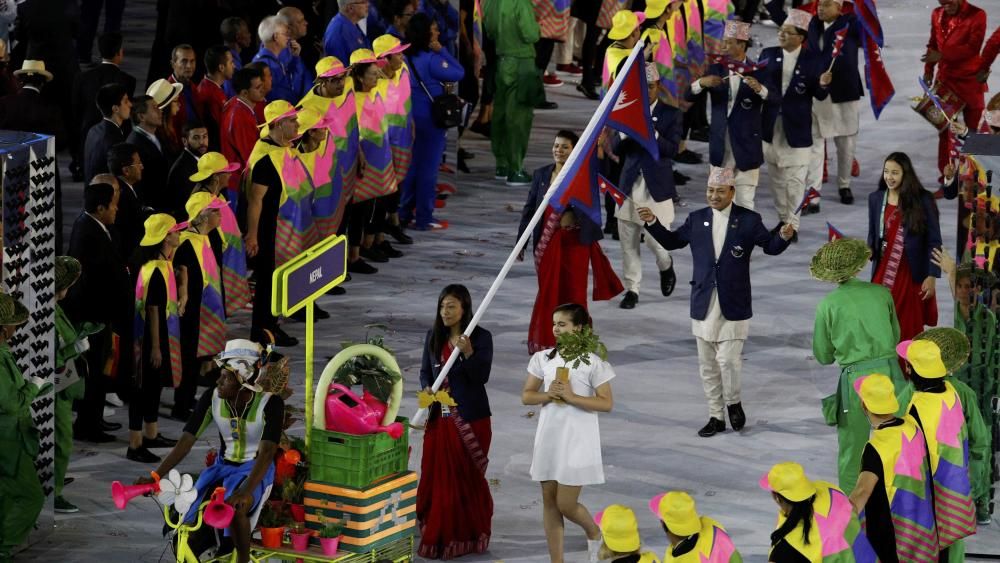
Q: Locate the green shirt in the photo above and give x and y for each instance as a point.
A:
(854, 323)
(512, 25)
(979, 439)
(16, 426)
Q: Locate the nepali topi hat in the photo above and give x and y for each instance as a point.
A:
(736, 30)
(718, 176)
(799, 18)
(840, 260)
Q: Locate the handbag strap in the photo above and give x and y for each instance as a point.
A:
(420, 80)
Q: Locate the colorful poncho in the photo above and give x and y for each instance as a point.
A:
(714, 546)
(663, 58)
(236, 289)
(676, 29)
(212, 319)
(396, 93)
(379, 176)
(295, 230)
(173, 328)
(907, 482)
(716, 14)
(553, 18)
(943, 422)
(329, 198)
(695, 39)
(835, 535)
(613, 58)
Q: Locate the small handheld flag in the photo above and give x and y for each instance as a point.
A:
(606, 187)
(739, 67)
(838, 45)
(811, 194)
(934, 99)
(833, 233)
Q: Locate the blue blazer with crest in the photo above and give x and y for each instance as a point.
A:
(658, 174)
(793, 106)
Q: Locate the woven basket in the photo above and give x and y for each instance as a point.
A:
(953, 343)
(839, 260)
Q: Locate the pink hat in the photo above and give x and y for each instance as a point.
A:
(721, 177)
(737, 30)
(799, 18)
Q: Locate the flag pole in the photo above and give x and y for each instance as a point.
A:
(609, 99)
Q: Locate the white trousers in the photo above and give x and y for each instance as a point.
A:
(788, 185)
(719, 364)
(630, 236)
(746, 187)
(846, 149)
(571, 45)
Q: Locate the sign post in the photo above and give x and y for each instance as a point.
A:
(298, 283)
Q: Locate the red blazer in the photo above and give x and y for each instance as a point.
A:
(990, 50)
(238, 134)
(959, 39)
(211, 98)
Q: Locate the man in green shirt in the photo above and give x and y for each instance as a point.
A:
(856, 327)
(512, 26)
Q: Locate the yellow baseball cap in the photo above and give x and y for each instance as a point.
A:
(789, 480)
(924, 356)
(158, 226)
(328, 67)
(619, 528)
(623, 24)
(201, 201)
(877, 393)
(311, 119)
(275, 112)
(677, 511)
(212, 163)
(386, 45)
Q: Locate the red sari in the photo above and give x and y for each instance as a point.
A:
(454, 503)
(913, 312)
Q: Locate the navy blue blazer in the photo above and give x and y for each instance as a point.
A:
(916, 246)
(793, 106)
(467, 378)
(659, 174)
(589, 232)
(743, 124)
(731, 272)
(846, 85)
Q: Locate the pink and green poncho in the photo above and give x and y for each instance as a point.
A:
(330, 197)
(212, 319)
(714, 546)
(173, 328)
(835, 535)
(396, 95)
(379, 176)
(296, 231)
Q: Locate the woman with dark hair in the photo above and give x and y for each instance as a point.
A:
(903, 230)
(431, 67)
(454, 504)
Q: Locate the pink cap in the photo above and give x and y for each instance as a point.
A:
(721, 177)
(902, 347)
(179, 227)
(737, 30)
(799, 18)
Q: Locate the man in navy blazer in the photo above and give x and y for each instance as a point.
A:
(737, 103)
(722, 238)
(798, 76)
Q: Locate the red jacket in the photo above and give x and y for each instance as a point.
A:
(959, 39)
(238, 134)
(188, 97)
(990, 50)
(211, 98)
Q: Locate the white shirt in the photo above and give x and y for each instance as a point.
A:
(103, 226)
(822, 36)
(715, 327)
(149, 136)
(788, 61)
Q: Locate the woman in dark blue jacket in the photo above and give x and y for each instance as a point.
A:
(454, 505)
(430, 66)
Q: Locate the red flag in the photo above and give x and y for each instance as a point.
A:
(832, 233)
(876, 76)
(578, 187)
(739, 67)
(630, 114)
(810, 195)
(838, 41)
(607, 187)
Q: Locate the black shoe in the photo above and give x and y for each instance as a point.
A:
(396, 232)
(700, 135)
(668, 280)
(588, 91)
(94, 437)
(318, 314)
(359, 266)
(337, 290)
(462, 166)
(846, 197)
(713, 427)
(737, 418)
(283, 340)
(484, 129)
(374, 254)
(142, 455)
(385, 248)
(680, 179)
(687, 157)
(631, 298)
(545, 104)
(159, 442)
(464, 154)
(110, 426)
(68, 480)
(811, 209)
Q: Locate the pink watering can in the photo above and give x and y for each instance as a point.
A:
(350, 414)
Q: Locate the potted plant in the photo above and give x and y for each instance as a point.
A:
(272, 526)
(300, 536)
(329, 536)
(372, 374)
(576, 347)
(292, 493)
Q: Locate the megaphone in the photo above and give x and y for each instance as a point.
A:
(124, 493)
(218, 514)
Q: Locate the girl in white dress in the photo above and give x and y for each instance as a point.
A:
(567, 452)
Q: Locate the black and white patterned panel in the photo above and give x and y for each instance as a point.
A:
(28, 271)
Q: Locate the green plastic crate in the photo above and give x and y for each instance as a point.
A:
(357, 461)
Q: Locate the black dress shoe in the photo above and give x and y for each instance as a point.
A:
(283, 340)
(374, 254)
(387, 249)
(700, 135)
(337, 290)
(462, 166)
(737, 418)
(159, 442)
(713, 427)
(811, 209)
(631, 298)
(359, 266)
(94, 437)
(668, 280)
(846, 197)
(142, 455)
(110, 426)
(687, 157)
(588, 91)
(483, 128)
(466, 155)
(396, 232)
(545, 104)
(318, 314)
(680, 179)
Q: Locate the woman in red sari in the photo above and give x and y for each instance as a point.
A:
(903, 230)
(454, 504)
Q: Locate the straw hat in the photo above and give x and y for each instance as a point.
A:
(201, 201)
(158, 226)
(274, 112)
(954, 346)
(624, 23)
(386, 45)
(241, 357)
(328, 67)
(677, 511)
(619, 528)
(924, 356)
(212, 163)
(789, 480)
(877, 393)
(67, 272)
(839, 260)
(34, 67)
(163, 92)
(12, 313)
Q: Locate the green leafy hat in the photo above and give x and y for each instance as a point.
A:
(839, 260)
(12, 313)
(67, 272)
(953, 343)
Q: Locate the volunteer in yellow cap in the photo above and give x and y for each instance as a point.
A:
(894, 486)
(693, 538)
(625, 33)
(816, 521)
(620, 531)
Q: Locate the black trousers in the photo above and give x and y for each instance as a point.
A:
(359, 216)
(263, 266)
(90, 409)
(144, 404)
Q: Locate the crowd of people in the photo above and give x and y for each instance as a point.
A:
(257, 136)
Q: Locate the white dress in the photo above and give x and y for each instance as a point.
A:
(568, 439)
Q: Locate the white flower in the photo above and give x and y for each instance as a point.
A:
(178, 490)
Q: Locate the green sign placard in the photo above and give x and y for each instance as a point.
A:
(308, 276)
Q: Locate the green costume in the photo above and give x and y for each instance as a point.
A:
(21, 495)
(856, 326)
(512, 25)
(68, 350)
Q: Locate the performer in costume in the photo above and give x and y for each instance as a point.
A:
(567, 451)
(620, 535)
(21, 495)
(656, 33)
(157, 332)
(693, 538)
(902, 231)
(894, 491)
(625, 33)
(249, 423)
(816, 522)
(395, 90)
(565, 247)
(939, 412)
(454, 504)
(856, 327)
(722, 238)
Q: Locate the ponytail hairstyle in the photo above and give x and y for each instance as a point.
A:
(578, 315)
(911, 194)
(801, 512)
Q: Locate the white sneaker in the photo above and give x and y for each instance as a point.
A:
(113, 400)
(594, 548)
